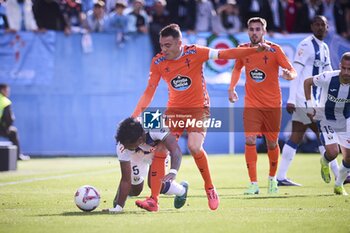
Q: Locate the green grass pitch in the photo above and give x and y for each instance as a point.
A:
(38, 197)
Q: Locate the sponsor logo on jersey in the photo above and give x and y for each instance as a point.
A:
(257, 75)
(318, 63)
(181, 83)
(337, 100)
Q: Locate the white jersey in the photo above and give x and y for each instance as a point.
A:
(334, 105)
(141, 158)
(312, 58)
(152, 139)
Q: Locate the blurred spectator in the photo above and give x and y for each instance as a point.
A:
(183, 13)
(302, 20)
(87, 5)
(20, 15)
(314, 7)
(118, 22)
(159, 19)
(3, 19)
(335, 14)
(48, 15)
(229, 17)
(290, 12)
(346, 5)
(249, 9)
(72, 14)
(110, 5)
(138, 18)
(278, 19)
(258, 8)
(206, 18)
(95, 20)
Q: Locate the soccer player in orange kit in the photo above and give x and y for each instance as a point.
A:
(262, 106)
(181, 67)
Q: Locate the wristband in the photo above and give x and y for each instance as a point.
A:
(174, 171)
(308, 104)
(309, 107)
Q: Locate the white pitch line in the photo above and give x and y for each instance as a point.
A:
(54, 177)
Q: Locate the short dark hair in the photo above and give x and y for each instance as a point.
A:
(257, 20)
(316, 17)
(171, 30)
(129, 131)
(345, 57)
(3, 86)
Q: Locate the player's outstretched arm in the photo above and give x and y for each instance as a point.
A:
(310, 111)
(240, 52)
(144, 101)
(124, 187)
(175, 155)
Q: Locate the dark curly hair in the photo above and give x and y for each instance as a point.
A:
(129, 131)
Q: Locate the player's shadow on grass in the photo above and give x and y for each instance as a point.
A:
(128, 212)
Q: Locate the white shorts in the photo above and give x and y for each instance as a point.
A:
(332, 133)
(140, 163)
(300, 116)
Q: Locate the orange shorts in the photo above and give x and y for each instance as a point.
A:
(180, 119)
(262, 121)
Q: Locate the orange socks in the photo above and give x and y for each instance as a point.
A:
(201, 160)
(273, 158)
(251, 157)
(157, 173)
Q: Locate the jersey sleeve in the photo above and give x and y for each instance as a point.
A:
(283, 60)
(236, 74)
(146, 98)
(328, 64)
(321, 80)
(159, 135)
(122, 153)
(302, 54)
(295, 83)
(204, 53)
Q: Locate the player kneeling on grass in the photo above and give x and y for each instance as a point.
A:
(136, 149)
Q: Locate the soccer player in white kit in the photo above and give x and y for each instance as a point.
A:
(333, 114)
(312, 58)
(135, 151)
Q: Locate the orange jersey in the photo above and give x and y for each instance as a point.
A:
(184, 77)
(262, 88)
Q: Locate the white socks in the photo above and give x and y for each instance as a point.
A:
(343, 173)
(176, 189)
(288, 154)
(334, 164)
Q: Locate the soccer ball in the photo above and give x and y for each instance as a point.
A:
(87, 198)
